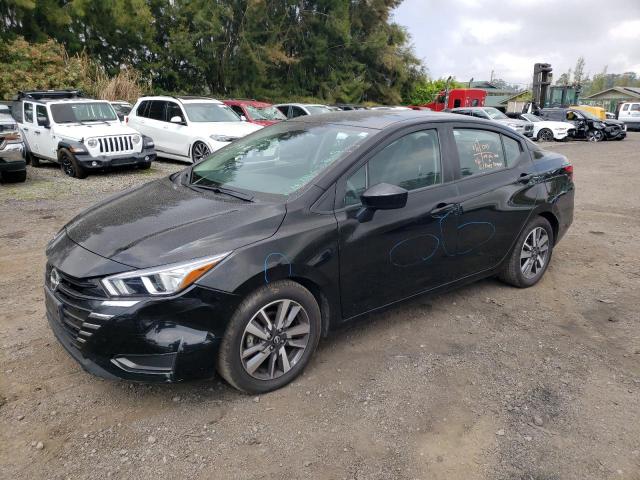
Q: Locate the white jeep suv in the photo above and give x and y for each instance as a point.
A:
(187, 128)
(79, 133)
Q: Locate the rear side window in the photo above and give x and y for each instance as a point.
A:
(480, 151)
(28, 112)
(237, 109)
(635, 107)
(156, 110)
(512, 150)
(297, 112)
(142, 109)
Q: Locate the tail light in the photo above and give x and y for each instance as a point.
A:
(568, 169)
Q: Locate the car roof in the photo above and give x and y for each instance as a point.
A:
(6, 118)
(63, 100)
(182, 99)
(380, 119)
(253, 103)
(300, 105)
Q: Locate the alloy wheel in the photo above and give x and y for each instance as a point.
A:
(200, 151)
(275, 339)
(546, 135)
(534, 253)
(67, 166)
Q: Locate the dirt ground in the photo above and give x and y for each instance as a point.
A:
(487, 382)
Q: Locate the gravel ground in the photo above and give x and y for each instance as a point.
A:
(487, 382)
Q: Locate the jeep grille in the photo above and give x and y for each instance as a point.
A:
(117, 144)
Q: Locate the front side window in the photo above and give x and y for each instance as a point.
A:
(480, 114)
(28, 112)
(237, 109)
(479, 151)
(279, 160)
(41, 115)
(83, 112)
(625, 107)
(296, 112)
(316, 109)
(494, 113)
(210, 112)
(174, 110)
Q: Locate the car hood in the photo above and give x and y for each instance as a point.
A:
(79, 132)
(231, 129)
(165, 222)
(611, 123)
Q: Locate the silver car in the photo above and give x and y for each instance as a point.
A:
(491, 113)
(12, 161)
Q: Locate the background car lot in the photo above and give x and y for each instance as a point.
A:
(487, 382)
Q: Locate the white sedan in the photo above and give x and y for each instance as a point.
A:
(546, 130)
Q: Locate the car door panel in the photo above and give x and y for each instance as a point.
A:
(495, 205)
(28, 126)
(176, 137)
(47, 139)
(398, 253)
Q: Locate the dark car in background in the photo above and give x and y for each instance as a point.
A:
(587, 125)
(242, 262)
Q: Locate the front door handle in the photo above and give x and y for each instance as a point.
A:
(26, 129)
(37, 132)
(443, 208)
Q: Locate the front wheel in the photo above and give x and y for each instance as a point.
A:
(545, 135)
(595, 136)
(270, 338)
(70, 166)
(531, 255)
(199, 151)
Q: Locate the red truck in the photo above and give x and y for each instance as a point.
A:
(458, 97)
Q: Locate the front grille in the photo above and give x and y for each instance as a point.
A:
(77, 287)
(77, 321)
(528, 128)
(117, 144)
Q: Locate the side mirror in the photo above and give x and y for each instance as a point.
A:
(382, 196)
(243, 118)
(44, 122)
(176, 119)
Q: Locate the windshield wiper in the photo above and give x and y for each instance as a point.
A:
(226, 191)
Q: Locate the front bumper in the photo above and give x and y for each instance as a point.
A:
(99, 162)
(152, 340)
(12, 157)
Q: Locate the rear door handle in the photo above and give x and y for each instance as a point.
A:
(26, 129)
(526, 177)
(37, 132)
(443, 208)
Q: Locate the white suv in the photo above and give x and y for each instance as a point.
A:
(187, 128)
(80, 134)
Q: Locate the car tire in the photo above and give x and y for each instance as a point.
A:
(70, 166)
(518, 269)
(545, 135)
(32, 159)
(595, 136)
(199, 151)
(251, 355)
(14, 177)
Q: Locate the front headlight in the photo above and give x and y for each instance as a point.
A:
(599, 125)
(222, 138)
(135, 139)
(165, 280)
(92, 142)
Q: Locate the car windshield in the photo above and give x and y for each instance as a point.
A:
(265, 113)
(210, 112)
(495, 114)
(589, 115)
(315, 109)
(121, 108)
(83, 112)
(278, 160)
(531, 117)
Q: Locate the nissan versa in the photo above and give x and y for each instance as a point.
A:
(243, 261)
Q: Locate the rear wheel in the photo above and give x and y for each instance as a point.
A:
(545, 135)
(14, 177)
(70, 166)
(270, 338)
(531, 255)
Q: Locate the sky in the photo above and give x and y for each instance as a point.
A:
(469, 38)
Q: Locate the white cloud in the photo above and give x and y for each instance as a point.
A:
(487, 31)
(628, 29)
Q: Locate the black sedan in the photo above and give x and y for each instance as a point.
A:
(242, 262)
